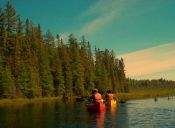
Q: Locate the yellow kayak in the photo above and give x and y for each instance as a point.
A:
(111, 103)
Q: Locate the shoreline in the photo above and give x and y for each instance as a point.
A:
(120, 96)
(142, 95)
(22, 101)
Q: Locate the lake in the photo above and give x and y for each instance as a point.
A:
(144, 113)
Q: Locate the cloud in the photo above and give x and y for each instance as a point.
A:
(103, 13)
(101, 7)
(97, 23)
(151, 63)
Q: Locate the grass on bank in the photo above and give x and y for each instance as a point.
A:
(145, 94)
(21, 101)
(140, 94)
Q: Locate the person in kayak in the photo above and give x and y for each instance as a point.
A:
(96, 96)
(109, 96)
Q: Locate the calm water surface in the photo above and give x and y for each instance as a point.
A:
(133, 114)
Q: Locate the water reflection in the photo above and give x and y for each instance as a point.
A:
(122, 116)
(133, 114)
(100, 119)
(113, 112)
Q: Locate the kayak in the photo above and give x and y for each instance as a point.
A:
(111, 103)
(98, 107)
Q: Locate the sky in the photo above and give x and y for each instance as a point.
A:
(140, 31)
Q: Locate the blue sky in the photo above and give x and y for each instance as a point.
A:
(125, 26)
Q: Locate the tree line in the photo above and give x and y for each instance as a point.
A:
(146, 85)
(33, 64)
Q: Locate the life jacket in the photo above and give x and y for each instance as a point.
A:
(97, 97)
(109, 96)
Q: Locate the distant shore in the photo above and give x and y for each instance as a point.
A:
(143, 95)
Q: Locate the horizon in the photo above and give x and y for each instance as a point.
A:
(142, 32)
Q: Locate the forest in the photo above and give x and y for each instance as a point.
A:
(36, 64)
(33, 64)
(154, 84)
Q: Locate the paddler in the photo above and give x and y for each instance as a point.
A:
(109, 96)
(96, 96)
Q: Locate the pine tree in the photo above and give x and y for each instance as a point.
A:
(3, 35)
(49, 38)
(2, 27)
(57, 73)
(30, 59)
(121, 74)
(27, 27)
(1, 76)
(46, 80)
(66, 67)
(11, 23)
(88, 65)
(98, 69)
(11, 18)
(113, 72)
(7, 83)
(76, 66)
(16, 67)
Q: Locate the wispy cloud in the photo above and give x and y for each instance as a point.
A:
(103, 13)
(97, 23)
(102, 7)
(151, 63)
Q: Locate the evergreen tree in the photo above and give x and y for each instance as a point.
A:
(30, 59)
(113, 72)
(88, 65)
(6, 83)
(121, 74)
(46, 80)
(98, 68)
(11, 23)
(77, 68)
(29, 81)
(67, 73)
(3, 35)
(17, 56)
(91, 69)
(27, 27)
(11, 18)
(49, 38)
(57, 73)
(102, 69)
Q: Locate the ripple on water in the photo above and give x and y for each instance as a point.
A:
(133, 114)
(148, 114)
